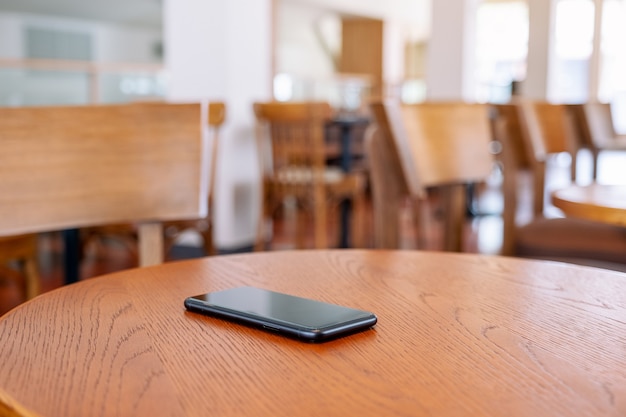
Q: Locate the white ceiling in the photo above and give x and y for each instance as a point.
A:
(127, 12)
(148, 12)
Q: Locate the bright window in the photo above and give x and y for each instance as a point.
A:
(612, 86)
(569, 82)
(501, 49)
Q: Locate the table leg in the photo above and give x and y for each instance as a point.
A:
(71, 255)
(346, 205)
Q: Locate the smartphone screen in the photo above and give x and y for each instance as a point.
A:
(289, 315)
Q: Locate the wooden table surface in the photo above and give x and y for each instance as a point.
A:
(458, 335)
(597, 202)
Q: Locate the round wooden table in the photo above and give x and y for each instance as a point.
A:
(597, 202)
(458, 334)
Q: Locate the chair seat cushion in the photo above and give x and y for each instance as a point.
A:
(567, 238)
(304, 175)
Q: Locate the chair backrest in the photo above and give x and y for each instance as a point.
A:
(69, 167)
(549, 128)
(439, 144)
(296, 137)
(597, 118)
(508, 114)
(546, 129)
(387, 187)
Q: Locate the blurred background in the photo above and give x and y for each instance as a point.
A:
(86, 51)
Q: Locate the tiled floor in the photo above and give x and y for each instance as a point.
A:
(484, 234)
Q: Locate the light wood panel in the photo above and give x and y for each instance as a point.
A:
(73, 166)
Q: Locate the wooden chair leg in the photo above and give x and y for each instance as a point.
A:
(33, 279)
(207, 236)
(420, 211)
(357, 226)
(151, 245)
(319, 218)
(301, 221)
(454, 202)
(594, 161)
(264, 214)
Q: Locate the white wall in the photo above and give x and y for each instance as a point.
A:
(540, 49)
(222, 50)
(298, 51)
(450, 61)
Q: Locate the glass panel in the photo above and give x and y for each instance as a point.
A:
(125, 87)
(19, 87)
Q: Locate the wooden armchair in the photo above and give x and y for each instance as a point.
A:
(290, 142)
(72, 167)
(596, 130)
(546, 129)
(421, 149)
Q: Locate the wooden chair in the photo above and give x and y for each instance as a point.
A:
(596, 130)
(424, 148)
(546, 129)
(127, 233)
(72, 167)
(290, 142)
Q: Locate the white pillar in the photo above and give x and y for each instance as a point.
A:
(451, 50)
(222, 50)
(541, 40)
(596, 54)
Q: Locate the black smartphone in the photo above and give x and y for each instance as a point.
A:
(298, 317)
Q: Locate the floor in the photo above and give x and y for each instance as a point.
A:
(483, 234)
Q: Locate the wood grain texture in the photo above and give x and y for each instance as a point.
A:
(458, 334)
(597, 202)
(68, 167)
